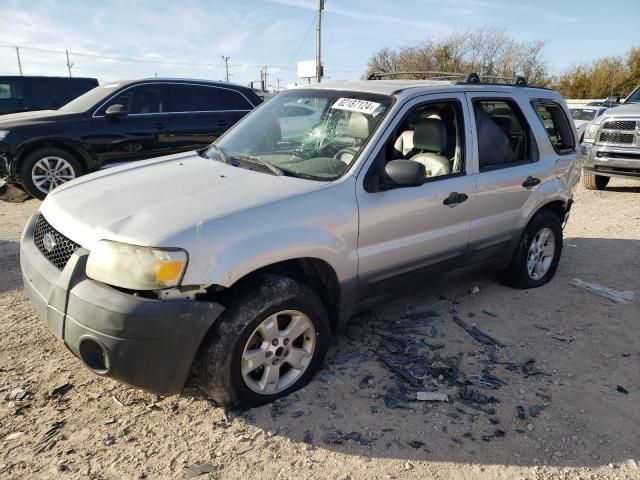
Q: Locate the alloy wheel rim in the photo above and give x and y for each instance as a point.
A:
(541, 253)
(51, 172)
(278, 352)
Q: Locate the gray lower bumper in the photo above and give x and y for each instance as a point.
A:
(146, 343)
(611, 161)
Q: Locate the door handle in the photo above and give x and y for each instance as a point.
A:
(455, 198)
(530, 182)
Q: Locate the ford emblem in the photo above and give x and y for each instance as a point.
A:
(48, 242)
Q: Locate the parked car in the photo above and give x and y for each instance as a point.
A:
(114, 123)
(582, 117)
(25, 94)
(611, 145)
(609, 102)
(241, 259)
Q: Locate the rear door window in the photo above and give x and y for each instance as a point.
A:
(556, 125)
(200, 98)
(504, 136)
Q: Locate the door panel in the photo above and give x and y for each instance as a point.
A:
(501, 197)
(143, 133)
(407, 235)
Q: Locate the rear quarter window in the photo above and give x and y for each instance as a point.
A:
(556, 124)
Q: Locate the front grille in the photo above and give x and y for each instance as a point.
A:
(616, 137)
(62, 249)
(620, 125)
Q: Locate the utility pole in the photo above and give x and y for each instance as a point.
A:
(278, 80)
(318, 42)
(226, 67)
(264, 88)
(69, 64)
(19, 62)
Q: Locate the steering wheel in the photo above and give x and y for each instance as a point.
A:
(348, 151)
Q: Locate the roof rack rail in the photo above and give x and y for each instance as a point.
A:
(459, 78)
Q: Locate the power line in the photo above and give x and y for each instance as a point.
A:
(313, 21)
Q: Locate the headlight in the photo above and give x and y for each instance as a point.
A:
(3, 133)
(136, 268)
(590, 133)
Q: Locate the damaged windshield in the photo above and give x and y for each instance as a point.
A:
(313, 134)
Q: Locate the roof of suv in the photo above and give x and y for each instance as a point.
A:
(214, 83)
(391, 87)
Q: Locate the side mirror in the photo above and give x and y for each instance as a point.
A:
(116, 111)
(404, 173)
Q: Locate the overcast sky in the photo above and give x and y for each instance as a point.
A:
(187, 38)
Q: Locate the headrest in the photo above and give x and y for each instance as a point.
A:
(430, 135)
(357, 126)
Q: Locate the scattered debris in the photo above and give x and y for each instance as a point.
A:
(420, 315)
(476, 333)
(366, 381)
(336, 437)
(496, 434)
(563, 338)
(534, 410)
(471, 395)
(272, 433)
(395, 398)
(197, 469)
(416, 444)
(14, 436)
(522, 415)
(432, 397)
(12, 193)
(16, 394)
(307, 437)
(491, 314)
(617, 296)
(60, 391)
(475, 289)
(49, 438)
(621, 389)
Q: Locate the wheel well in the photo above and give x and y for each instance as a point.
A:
(315, 273)
(558, 207)
(55, 144)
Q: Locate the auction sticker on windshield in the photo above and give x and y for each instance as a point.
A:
(355, 105)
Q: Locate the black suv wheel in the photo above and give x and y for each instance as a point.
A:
(47, 168)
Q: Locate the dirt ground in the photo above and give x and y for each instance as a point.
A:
(357, 418)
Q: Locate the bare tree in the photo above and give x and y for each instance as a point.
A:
(486, 50)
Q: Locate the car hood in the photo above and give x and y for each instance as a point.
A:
(161, 202)
(632, 109)
(579, 123)
(30, 118)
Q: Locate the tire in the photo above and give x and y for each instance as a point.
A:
(591, 181)
(220, 361)
(70, 168)
(518, 274)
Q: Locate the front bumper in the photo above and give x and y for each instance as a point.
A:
(145, 343)
(611, 161)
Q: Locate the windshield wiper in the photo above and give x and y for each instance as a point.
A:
(258, 161)
(219, 151)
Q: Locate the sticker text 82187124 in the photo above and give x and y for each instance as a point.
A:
(355, 105)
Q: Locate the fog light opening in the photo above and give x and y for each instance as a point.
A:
(94, 356)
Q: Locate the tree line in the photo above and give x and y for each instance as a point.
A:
(493, 52)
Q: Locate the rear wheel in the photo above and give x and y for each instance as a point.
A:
(536, 259)
(268, 343)
(591, 181)
(47, 168)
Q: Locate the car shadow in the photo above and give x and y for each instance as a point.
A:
(549, 396)
(621, 189)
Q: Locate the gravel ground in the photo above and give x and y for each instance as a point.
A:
(357, 419)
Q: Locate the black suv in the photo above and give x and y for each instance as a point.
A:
(25, 94)
(116, 122)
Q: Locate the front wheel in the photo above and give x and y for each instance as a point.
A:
(269, 342)
(536, 259)
(591, 181)
(47, 168)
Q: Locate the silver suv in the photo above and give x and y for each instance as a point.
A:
(242, 259)
(611, 144)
